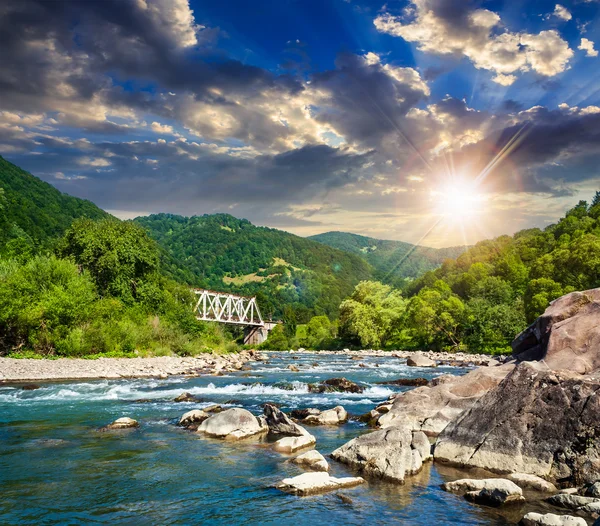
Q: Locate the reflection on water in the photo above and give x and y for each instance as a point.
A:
(56, 468)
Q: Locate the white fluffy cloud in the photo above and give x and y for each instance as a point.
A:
(477, 34)
(560, 11)
(588, 46)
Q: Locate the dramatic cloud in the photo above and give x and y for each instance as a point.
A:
(446, 27)
(588, 46)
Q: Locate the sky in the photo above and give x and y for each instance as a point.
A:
(440, 122)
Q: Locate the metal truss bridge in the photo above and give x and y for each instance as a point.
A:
(227, 308)
(237, 310)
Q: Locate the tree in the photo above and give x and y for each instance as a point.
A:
(371, 314)
(120, 256)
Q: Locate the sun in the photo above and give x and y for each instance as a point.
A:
(457, 201)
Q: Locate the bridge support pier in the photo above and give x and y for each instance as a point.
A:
(255, 335)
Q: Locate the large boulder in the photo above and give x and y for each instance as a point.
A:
(525, 480)
(431, 408)
(280, 424)
(312, 483)
(390, 454)
(566, 336)
(536, 421)
(232, 424)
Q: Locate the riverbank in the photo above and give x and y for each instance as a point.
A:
(13, 370)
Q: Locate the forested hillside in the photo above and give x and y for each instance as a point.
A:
(482, 299)
(393, 261)
(224, 253)
(37, 208)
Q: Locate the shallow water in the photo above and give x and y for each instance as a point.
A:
(56, 468)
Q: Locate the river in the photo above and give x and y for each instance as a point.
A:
(56, 468)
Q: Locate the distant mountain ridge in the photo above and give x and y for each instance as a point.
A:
(393, 261)
(37, 208)
(222, 252)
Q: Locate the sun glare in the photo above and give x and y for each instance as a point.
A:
(457, 201)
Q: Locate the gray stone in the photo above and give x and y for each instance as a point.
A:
(388, 454)
(536, 421)
(571, 502)
(335, 416)
(280, 424)
(524, 480)
(312, 460)
(550, 519)
(232, 424)
(419, 360)
(123, 423)
(196, 416)
(313, 483)
(293, 444)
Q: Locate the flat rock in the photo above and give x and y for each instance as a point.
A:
(293, 444)
(525, 480)
(462, 486)
(493, 497)
(536, 421)
(123, 423)
(232, 424)
(571, 502)
(419, 360)
(312, 460)
(550, 519)
(389, 454)
(313, 483)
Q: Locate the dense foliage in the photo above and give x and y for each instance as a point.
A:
(104, 295)
(37, 208)
(393, 261)
(221, 252)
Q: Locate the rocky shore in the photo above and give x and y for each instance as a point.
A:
(28, 370)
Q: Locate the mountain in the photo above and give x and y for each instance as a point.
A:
(392, 260)
(36, 207)
(222, 252)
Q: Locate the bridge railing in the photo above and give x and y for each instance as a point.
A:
(227, 308)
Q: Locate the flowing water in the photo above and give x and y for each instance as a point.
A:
(56, 468)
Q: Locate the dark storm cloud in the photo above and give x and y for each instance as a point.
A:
(367, 102)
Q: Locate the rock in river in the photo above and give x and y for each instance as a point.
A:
(312, 460)
(536, 421)
(193, 418)
(293, 444)
(391, 454)
(431, 408)
(420, 360)
(332, 385)
(122, 423)
(489, 492)
(280, 424)
(232, 424)
(312, 483)
(550, 519)
(335, 416)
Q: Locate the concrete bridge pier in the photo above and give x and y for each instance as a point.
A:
(257, 334)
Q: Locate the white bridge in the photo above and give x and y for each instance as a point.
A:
(236, 310)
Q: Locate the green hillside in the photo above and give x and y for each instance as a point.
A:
(224, 253)
(37, 208)
(393, 260)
